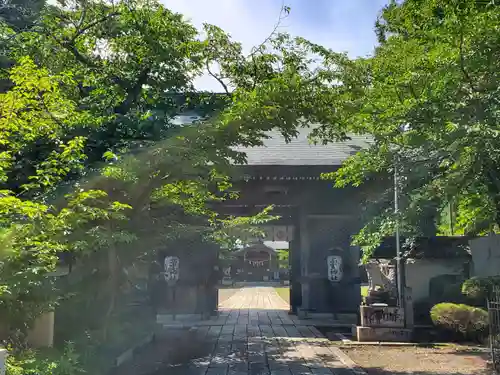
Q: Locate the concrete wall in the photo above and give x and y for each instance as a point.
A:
(485, 253)
(3, 360)
(42, 334)
(419, 273)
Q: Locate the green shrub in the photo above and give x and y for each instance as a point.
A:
(467, 321)
(49, 362)
(480, 288)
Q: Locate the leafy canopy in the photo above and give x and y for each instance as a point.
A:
(89, 109)
(429, 99)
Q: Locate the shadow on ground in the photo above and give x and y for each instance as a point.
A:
(194, 352)
(383, 371)
(193, 355)
(250, 341)
(421, 360)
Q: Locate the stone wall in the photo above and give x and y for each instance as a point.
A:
(485, 253)
(420, 272)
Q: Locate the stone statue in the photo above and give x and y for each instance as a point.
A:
(381, 275)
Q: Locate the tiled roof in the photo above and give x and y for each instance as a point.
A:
(301, 152)
(256, 247)
(298, 152)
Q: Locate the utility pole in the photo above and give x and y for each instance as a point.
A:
(452, 218)
(399, 263)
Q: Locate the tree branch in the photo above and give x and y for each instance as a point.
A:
(462, 62)
(82, 17)
(133, 92)
(66, 44)
(255, 72)
(284, 12)
(224, 86)
(398, 94)
(92, 24)
(51, 115)
(71, 48)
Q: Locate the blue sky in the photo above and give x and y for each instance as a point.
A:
(343, 25)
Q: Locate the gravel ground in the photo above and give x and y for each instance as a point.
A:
(446, 360)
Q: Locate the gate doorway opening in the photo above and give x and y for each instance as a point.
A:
(324, 268)
(256, 274)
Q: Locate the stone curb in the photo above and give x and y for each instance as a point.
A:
(130, 353)
(396, 344)
(348, 342)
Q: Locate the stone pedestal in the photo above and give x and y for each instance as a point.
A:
(191, 302)
(365, 334)
(193, 292)
(384, 323)
(332, 266)
(387, 317)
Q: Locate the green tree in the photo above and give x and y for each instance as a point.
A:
(35, 232)
(429, 99)
(15, 16)
(120, 73)
(284, 258)
(20, 14)
(131, 59)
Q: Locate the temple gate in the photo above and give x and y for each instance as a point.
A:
(324, 277)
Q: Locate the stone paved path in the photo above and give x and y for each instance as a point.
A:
(253, 335)
(258, 297)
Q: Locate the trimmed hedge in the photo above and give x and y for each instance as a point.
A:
(480, 288)
(471, 323)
